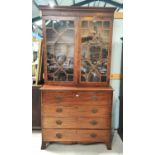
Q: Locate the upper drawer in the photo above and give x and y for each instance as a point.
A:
(80, 97)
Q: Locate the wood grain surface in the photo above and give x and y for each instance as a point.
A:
(76, 135)
(77, 123)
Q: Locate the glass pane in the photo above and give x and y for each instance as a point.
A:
(66, 37)
(84, 24)
(59, 25)
(50, 35)
(106, 24)
(94, 51)
(94, 77)
(98, 23)
(60, 50)
(106, 35)
(84, 53)
(49, 24)
(70, 24)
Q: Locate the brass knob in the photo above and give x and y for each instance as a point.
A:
(58, 98)
(58, 122)
(59, 135)
(77, 95)
(59, 110)
(93, 122)
(93, 135)
(94, 98)
(94, 110)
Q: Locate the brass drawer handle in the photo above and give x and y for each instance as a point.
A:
(94, 111)
(58, 122)
(58, 98)
(93, 135)
(94, 98)
(93, 122)
(59, 135)
(59, 110)
(77, 95)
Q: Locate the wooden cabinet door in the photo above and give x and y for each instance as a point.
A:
(60, 50)
(95, 49)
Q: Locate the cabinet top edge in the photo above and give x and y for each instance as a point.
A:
(75, 8)
(48, 87)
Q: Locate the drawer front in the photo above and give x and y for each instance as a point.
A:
(93, 98)
(57, 97)
(59, 135)
(94, 135)
(75, 111)
(78, 97)
(89, 136)
(77, 123)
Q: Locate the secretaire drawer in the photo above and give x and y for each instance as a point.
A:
(76, 97)
(93, 97)
(75, 111)
(57, 97)
(77, 123)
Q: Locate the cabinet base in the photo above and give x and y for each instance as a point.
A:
(45, 144)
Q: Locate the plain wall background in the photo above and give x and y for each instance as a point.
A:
(116, 68)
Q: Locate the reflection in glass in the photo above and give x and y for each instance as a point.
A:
(106, 24)
(103, 78)
(70, 77)
(104, 53)
(84, 52)
(93, 77)
(61, 59)
(60, 76)
(70, 24)
(85, 68)
(98, 24)
(59, 25)
(60, 50)
(94, 54)
(49, 23)
(67, 37)
(84, 24)
(94, 50)
(50, 35)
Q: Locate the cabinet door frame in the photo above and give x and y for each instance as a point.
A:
(110, 19)
(74, 82)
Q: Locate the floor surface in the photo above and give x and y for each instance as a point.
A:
(76, 149)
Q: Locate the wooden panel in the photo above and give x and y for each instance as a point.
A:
(75, 111)
(74, 88)
(76, 11)
(76, 135)
(76, 97)
(59, 135)
(94, 135)
(92, 97)
(36, 107)
(57, 97)
(77, 123)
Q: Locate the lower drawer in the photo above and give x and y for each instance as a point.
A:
(88, 136)
(77, 123)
